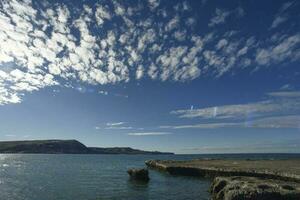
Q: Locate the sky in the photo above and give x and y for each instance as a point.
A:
(181, 76)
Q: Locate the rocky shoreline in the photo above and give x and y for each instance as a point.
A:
(240, 179)
(250, 188)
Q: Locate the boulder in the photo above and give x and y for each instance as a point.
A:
(139, 174)
(253, 188)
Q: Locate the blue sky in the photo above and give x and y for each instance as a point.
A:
(182, 76)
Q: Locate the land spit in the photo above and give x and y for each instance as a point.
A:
(241, 179)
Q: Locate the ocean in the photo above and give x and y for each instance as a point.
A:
(100, 177)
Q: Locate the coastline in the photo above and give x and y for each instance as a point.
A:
(240, 179)
(54, 146)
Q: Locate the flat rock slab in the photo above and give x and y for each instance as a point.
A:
(253, 188)
(288, 170)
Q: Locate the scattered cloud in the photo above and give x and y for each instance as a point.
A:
(278, 20)
(119, 127)
(280, 110)
(56, 45)
(281, 16)
(10, 135)
(153, 4)
(279, 103)
(286, 87)
(149, 133)
(287, 146)
(240, 11)
(286, 48)
(289, 94)
(219, 17)
(291, 121)
(103, 92)
(115, 123)
(285, 6)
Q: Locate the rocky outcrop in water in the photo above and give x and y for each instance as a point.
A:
(139, 174)
(253, 188)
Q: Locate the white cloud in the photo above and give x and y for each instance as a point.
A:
(278, 20)
(152, 72)
(289, 94)
(282, 15)
(153, 4)
(287, 146)
(285, 6)
(139, 72)
(115, 123)
(280, 110)
(119, 127)
(172, 24)
(240, 11)
(219, 17)
(222, 43)
(180, 35)
(149, 133)
(190, 21)
(115, 126)
(119, 9)
(289, 121)
(286, 48)
(282, 103)
(103, 92)
(286, 87)
(52, 44)
(101, 14)
(10, 135)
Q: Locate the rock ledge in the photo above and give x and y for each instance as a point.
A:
(250, 188)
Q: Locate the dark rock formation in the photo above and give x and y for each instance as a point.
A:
(139, 174)
(64, 147)
(252, 188)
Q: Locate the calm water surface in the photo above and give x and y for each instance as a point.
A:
(97, 177)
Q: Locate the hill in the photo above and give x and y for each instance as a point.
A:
(64, 147)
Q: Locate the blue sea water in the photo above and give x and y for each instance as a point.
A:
(100, 177)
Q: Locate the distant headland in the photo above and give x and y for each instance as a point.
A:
(65, 147)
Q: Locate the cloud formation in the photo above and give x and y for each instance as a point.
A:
(278, 103)
(286, 146)
(291, 121)
(282, 15)
(115, 123)
(280, 110)
(117, 126)
(148, 133)
(45, 44)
